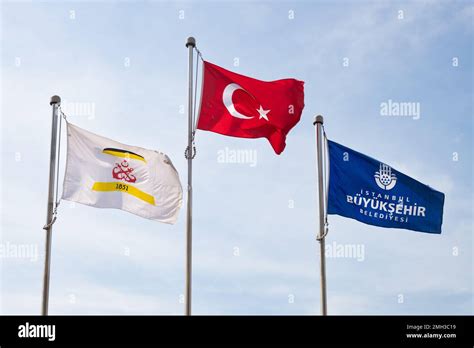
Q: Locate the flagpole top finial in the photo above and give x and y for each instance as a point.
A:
(318, 119)
(191, 42)
(55, 99)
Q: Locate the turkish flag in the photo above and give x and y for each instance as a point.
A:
(240, 106)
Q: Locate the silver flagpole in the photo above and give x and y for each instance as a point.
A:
(318, 122)
(190, 44)
(55, 103)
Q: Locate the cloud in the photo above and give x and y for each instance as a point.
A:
(111, 262)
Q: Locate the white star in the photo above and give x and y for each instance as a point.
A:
(263, 113)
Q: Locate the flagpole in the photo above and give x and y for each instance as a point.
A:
(55, 103)
(190, 44)
(318, 122)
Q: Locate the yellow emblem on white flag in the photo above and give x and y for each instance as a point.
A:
(103, 173)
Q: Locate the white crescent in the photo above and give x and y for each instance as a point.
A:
(227, 100)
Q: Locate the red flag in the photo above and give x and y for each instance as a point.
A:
(240, 106)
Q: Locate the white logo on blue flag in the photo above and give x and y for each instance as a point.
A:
(387, 198)
(384, 178)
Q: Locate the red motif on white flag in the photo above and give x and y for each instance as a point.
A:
(123, 171)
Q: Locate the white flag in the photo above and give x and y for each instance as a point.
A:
(106, 174)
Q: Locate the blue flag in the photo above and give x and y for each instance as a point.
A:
(370, 191)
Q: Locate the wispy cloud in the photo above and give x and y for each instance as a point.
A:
(254, 227)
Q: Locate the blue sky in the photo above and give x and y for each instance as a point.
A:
(254, 226)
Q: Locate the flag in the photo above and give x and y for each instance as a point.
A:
(104, 173)
(240, 106)
(372, 192)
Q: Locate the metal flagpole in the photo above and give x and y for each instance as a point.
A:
(55, 103)
(190, 44)
(318, 122)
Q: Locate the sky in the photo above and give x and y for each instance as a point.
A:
(121, 71)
